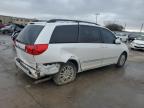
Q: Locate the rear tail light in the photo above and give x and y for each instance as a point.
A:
(36, 49)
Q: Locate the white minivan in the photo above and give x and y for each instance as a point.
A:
(62, 48)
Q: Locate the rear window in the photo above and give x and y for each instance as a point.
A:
(29, 34)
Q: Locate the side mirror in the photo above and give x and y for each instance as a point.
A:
(118, 41)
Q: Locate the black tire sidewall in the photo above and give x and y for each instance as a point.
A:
(118, 63)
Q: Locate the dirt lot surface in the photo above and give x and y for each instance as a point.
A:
(106, 87)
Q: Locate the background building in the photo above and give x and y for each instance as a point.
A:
(17, 20)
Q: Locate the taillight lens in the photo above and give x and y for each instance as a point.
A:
(36, 49)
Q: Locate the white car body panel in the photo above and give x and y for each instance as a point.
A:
(111, 53)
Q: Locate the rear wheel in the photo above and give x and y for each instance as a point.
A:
(122, 60)
(66, 74)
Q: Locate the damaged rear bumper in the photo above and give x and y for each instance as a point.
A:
(40, 70)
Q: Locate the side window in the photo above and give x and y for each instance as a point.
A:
(65, 34)
(108, 37)
(89, 34)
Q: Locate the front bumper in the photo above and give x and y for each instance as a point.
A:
(40, 71)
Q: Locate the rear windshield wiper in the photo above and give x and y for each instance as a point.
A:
(20, 41)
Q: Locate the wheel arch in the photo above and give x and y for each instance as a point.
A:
(126, 53)
(76, 63)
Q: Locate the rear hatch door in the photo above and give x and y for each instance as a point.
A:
(28, 36)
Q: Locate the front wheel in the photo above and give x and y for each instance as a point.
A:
(122, 59)
(66, 74)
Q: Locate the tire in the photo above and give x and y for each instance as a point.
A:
(5, 32)
(66, 74)
(122, 59)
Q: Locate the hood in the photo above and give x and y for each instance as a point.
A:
(139, 41)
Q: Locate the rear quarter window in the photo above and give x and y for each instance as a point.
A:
(29, 34)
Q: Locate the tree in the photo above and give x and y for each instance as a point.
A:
(115, 27)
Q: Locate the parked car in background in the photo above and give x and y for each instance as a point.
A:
(132, 36)
(9, 29)
(16, 32)
(1, 26)
(123, 37)
(138, 43)
(62, 48)
(18, 27)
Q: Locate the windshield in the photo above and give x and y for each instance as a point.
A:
(29, 34)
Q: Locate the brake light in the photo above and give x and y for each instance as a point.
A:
(36, 49)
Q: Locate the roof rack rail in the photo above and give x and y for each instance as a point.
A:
(39, 21)
(78, 21)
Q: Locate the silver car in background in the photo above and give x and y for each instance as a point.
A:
(138, 43)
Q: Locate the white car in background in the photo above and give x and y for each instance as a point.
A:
(123, 37)
(138, 43)
(62, 48)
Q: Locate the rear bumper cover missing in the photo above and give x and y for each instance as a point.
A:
(40, 71)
